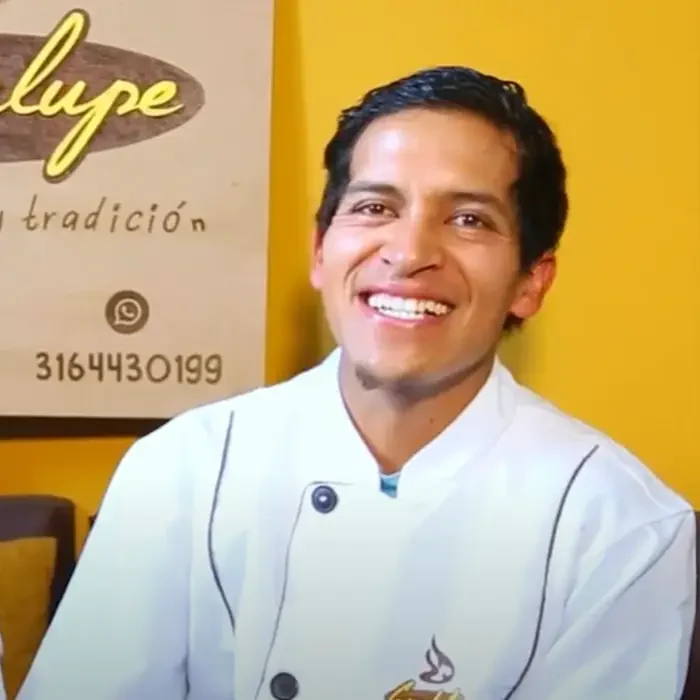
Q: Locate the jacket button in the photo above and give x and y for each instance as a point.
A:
(284, 686)
(324, 499)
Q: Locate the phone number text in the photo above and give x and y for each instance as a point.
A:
(128, 367)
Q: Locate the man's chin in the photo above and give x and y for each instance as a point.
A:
(410, 381)
(395, 378)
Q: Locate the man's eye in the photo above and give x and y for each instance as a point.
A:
(470, 221)
(371, 208)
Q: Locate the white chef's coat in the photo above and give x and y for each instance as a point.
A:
(523, 550)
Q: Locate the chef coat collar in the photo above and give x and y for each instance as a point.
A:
(340, 453)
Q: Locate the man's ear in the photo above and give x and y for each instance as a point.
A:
(533, 287)
(316, 259)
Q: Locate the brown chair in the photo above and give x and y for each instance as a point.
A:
(37, 559)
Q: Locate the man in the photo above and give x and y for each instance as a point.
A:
(404, 520)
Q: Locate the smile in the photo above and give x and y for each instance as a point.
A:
(407, 308)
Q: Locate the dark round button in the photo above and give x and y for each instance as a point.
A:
(284, 686)
(324, 499)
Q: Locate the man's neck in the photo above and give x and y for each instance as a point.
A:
(395, 430)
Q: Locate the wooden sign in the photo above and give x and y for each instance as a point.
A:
(134, 147)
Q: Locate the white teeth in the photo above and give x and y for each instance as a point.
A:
(406, 308)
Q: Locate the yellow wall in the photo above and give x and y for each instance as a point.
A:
(619, 342)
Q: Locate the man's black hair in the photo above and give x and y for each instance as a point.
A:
(540, 188)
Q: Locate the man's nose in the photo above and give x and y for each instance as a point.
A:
(412, 244)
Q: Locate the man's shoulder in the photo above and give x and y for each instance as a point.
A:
(613, 482)
(202, 429)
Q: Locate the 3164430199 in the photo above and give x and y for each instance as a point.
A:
(194, 368)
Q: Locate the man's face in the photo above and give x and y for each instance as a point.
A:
(420, 266)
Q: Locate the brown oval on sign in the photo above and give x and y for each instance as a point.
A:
(62, 97)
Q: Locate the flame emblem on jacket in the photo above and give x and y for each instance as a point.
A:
(440, 670)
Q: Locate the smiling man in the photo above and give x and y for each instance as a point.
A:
(403, 521)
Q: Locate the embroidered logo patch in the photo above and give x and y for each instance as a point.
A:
(440, 670)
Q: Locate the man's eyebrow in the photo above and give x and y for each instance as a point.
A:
(368, 186)
(473, 196)
(480, 198)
